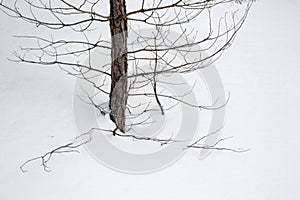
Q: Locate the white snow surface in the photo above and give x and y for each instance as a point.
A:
(261, 70)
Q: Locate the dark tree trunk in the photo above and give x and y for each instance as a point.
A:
(118, 93)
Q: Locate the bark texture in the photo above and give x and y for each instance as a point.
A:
(118, 93)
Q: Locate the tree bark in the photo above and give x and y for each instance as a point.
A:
(119, 65)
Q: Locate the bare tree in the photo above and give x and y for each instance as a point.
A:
(127, 78)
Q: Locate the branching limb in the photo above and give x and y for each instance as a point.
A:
(71, 147)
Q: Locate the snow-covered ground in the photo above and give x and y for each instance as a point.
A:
(261, 70)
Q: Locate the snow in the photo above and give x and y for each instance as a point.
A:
(261, 70)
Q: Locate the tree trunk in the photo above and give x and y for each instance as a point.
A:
(118, 93)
